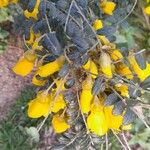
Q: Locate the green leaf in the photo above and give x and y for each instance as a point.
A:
(4, 15)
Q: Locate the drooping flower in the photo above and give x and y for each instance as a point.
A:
(44, 104)
(86, 95)
(91, 66)
(59, 123)
(141, 74)
(51, 67)
(58, 104)
(105, 63)
(39, 106)
(147, 10)
(123, 89)
(123, 70)
(25, 64)
(97, 24)
(103, 39)
(116, 55)
(114, 121)
(108, 7)
(96, 121)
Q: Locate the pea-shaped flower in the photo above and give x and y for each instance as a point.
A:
(40, 106)
(50, 68)
(97, 24)
(91, 66)
(114, 121)
(86, 95)
(96, 121)
(108, 7)
(25, 64)
(59, 123)
(105, 63)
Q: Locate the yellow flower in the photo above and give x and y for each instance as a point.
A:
(86, 95)
(116, 55)
(103, 39)
(91, 66)
(4, 3)
(97, 24)
(59, 124)
(147, 10)
(39, 106)
(59, 85)
(23, 67)
(50, 68)
(108, 7)
(34, 13)
(58, 104)
(123, 89)
(38, 82)
(123, 70)
(36, 46)
(114, 122)
(44, 104)
(105, 63)
(96, 121)
(25, 64)
(141, 74)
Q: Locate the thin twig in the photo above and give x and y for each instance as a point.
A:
(52, 104)
(25, 42)
(146, 18)
(49, 28)
(123, 100)
(128, 13)
(125, 140)
(132, 84)
(51, 86)
(88, 23)
(67, 19)
(133, 54)
(119, 140)
(65, 54)
(141, 118)
(106, 139)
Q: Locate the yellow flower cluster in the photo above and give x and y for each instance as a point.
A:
(112, 61)
(100, 118)
(46, 103)
(105, 62)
